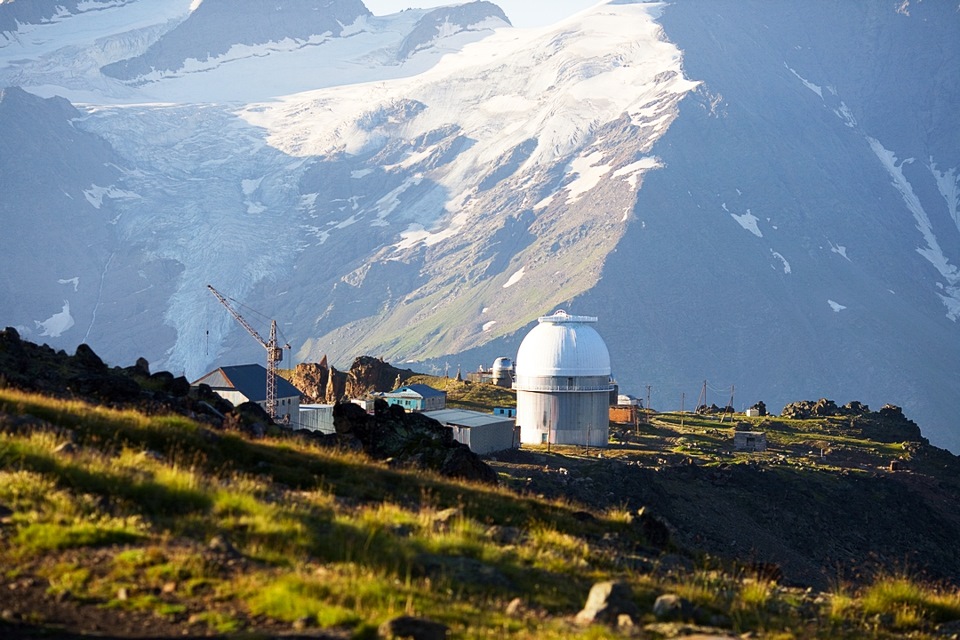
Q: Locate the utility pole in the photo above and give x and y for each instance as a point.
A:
(730, 404)
(646, 407)
(682, 397)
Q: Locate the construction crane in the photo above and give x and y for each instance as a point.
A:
(274, 351)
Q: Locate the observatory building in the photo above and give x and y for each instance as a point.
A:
(563, 383)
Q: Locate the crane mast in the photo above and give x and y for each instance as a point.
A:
(274, 351)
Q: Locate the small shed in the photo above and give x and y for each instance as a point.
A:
(417, 397)
(482, 432)
(749, 441)
(623, 414)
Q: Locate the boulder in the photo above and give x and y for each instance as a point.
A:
(411, 628)
(411, 440)
(606, 602)
(671, 607)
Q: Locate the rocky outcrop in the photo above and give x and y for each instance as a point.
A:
(409, 440)
(323, 383)
(368, 374)
(886, 425)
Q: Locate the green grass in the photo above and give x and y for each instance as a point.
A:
(909, 602)
(332, 539)
(296, 597)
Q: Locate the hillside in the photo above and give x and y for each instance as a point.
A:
(774, 184)
(124, 518)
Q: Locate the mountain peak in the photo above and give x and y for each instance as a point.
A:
(444, 21)
(214, 27)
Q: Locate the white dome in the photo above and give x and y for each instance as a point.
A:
(502, 364)
(563, 345)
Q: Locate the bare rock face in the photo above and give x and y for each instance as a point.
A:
(368, 374)
(312, 378)
(321, 382)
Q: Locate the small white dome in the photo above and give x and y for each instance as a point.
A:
(563, 345)
(502, 364)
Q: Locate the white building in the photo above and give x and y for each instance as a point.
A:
(248, 383)
(563, 383)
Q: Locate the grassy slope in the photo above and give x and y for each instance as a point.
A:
(188, 530)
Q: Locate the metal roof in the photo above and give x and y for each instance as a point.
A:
(248, 379)
(419, 390)
(466, 418)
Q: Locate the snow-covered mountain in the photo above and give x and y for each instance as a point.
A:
(757, 194)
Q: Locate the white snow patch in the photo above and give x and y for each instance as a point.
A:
(388, 203)
(747, 220)
(844, 113)
(786, 265)
(543, 204)
(250, 186)
(360, 173)
(589, 172)
(95, 195)
(809, 85)
(948, 183)
(489, 325)
(639, 167)
(74, 281)
(485, 309)
(836, 306)
(58, 323)
(515, 278)
(932, 252)
(840, 250)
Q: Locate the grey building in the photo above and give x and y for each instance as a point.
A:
(482, 432)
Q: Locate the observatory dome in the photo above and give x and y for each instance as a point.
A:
(563, 345)
(502, 364)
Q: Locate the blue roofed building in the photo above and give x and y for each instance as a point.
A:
(417, 397)
(248, 383)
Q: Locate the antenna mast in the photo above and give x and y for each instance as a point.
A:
(274, 351)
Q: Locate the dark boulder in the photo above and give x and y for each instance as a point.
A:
(410, 439)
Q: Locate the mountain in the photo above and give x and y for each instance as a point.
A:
(759, 201)
(217, 27)
(66, 217)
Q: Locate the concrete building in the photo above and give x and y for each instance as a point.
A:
(563, 383)
(755, 441)
(417, 397)
(248, 383)
(483, 432)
